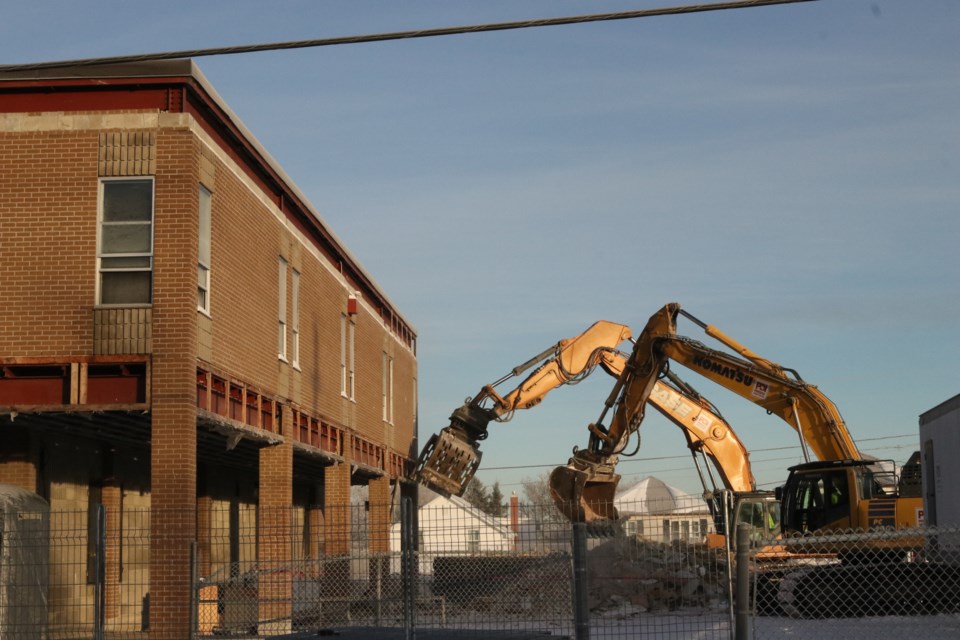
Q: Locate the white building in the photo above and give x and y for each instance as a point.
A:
(452, 526)
(654, 510)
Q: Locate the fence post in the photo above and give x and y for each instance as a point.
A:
(581, 604)
(194, 590)
(408, 559)
(743, 582)
(100, 573)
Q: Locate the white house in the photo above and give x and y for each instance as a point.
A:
(654, 510)
(452, 526)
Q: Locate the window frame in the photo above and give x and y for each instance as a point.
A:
(347, 357)
(295, 318)
(282, 309)
(101, 224)
(387, 387)
(205, 216)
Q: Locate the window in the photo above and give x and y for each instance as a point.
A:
(816, 500)
(387, 388)
(282, 310)
(203, 252)
(125, 241)
(295, 319)
(473, 540)
(347, 331)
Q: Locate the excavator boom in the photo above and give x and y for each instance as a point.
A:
(584, 488)
(450, 459)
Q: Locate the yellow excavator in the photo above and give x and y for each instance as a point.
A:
(841, 490)
(824, 503)
(451, 458)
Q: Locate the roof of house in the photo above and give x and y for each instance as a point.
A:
(461, 504)
(654, 496)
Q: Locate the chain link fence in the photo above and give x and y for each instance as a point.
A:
(880, 584)
(449, 568)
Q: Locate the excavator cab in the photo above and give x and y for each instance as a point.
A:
(823, 496)
(762, 513)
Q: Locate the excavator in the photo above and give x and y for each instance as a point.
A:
(840, 492)
(450, 458)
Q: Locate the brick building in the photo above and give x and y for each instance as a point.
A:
(180, 332)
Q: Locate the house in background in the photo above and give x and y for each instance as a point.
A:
(186, 343)
(656, 511)
(453, 527)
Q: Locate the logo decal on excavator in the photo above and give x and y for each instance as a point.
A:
(733, 373)
(760, 390)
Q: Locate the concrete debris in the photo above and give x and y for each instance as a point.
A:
(633, 575)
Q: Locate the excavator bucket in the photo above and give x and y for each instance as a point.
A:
(582, 496)
(447, 463)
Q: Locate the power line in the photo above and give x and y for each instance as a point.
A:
(687, 469)
(404, 35)
(683, 457)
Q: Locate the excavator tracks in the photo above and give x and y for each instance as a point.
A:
(878, 589)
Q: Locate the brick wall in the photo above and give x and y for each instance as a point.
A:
(173, 439)
(248, 236)
(48, 231)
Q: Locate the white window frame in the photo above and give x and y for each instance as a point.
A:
(282, 310)
(205, 205)
(347, 357)
(387, 388)
(100, 255)
(295, 319)
(473, 540)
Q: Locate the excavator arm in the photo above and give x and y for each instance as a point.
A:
(585, 487)
(706, 431)
(450, 459)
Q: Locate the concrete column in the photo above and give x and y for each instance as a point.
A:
(336, 509)
(275, 532)
(378, 520)
(173, 379)
(378, 531)
(110, 497)
(315, 527)
(204, 535)
(173, 518)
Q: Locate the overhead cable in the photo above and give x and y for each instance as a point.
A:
(403, 35)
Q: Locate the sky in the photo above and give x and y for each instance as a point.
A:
(788, 174)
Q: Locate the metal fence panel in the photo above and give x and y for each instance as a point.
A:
(880, 584)
(659, 573)
(655, 575)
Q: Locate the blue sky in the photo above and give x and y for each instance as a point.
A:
(789, 174)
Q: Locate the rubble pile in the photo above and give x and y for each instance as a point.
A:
(520, 585)
(640, 576)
